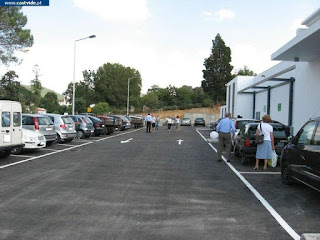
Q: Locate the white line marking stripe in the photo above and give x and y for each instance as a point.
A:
(15, 155)
(201, 135)
(264, 202)
(58, 151)
(47, 154)
(262, 173)
(118, 135)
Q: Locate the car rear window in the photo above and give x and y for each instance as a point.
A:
(241, 123)
(67, 120)
(87, 119)
(44, 121)
(279, 132)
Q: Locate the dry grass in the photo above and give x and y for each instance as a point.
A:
(163, 114)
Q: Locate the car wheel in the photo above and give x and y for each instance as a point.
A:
(286, 174)
(6, 153)
(243, 158)
(80, 134)
(50, 143)
(236, 151)
(58, 138)
(16, 150)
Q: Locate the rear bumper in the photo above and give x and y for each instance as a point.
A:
(68, 135)
(51, 137)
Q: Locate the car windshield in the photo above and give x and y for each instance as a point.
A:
(185, 119)
(199, 119)
(44, 121)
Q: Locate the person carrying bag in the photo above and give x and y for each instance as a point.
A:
(259, 138)
(264, 148)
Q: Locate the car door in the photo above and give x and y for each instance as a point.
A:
(6, 120)
(298, 153)
(313, 159)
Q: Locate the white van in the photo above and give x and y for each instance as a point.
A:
(10, 128)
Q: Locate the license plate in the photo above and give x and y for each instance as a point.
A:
(48, 129)
(92, 131)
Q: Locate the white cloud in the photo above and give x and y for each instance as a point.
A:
(220, 15)
(207, 13)
(126, 11)
(223, 14)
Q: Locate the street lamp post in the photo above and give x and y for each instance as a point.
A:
(128, 95)
(74, 70)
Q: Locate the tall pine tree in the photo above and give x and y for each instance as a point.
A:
(217, 70)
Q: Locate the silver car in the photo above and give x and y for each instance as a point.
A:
(64, 127)
(84, 125)
(40, 123)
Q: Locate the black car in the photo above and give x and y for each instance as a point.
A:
(98, 126)
(244, 143)
(199, 121)
(300, 159)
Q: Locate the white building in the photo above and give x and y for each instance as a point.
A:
(289, 91)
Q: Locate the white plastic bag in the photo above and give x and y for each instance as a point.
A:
(274, 159)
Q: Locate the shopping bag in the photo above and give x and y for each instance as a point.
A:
(274, 159)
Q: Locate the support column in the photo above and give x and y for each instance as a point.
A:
(254, 106)
(290, 102)
(268, 100)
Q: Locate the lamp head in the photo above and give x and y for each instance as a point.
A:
(92, 36)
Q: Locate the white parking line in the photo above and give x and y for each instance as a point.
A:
(118, 135)
(48, 149)
(47, 154)
(264, 202)
(15, 155)
(68, 145)
(262, 173)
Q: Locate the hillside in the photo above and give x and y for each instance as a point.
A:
(44, 91)
(180, 113)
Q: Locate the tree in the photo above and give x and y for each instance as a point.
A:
(36, 87)
(50, 102)
(9, 87)
(217, 70)
(150, 100)
(184, 97)
(101, 108)
(245, 71)
(111, 85)
(12, 35)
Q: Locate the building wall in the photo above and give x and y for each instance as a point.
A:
(306, 93)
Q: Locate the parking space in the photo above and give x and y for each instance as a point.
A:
(296, 204)
(138, 185)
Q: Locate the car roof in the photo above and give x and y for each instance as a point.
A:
(34, 115)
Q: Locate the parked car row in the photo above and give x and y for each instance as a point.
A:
(41, 130)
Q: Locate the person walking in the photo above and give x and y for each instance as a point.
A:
(154, 124)
(169, 122)
(148, 120)
(157, 122)
(177, 123)
(224, 127)
(264, 149)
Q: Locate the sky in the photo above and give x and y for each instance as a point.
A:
(167, 41)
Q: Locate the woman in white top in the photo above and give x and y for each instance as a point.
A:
(264, 150)
(177, 123)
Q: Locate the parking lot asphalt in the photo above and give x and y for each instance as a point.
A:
(138, 185)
